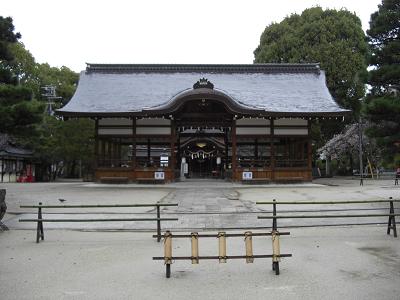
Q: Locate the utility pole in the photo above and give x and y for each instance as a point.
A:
(49, 92)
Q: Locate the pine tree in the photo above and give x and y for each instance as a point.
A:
(18, 113)
(382, 105)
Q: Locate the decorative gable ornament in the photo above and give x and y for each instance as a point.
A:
(203, 83)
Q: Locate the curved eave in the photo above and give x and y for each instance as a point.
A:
(149, 113)
(5, 154)
(210, 94)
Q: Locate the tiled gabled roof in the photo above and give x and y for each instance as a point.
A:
(203, 68)
(283, 89)
(9, 148)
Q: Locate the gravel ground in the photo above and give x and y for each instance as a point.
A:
(98, 261)
(330, 263)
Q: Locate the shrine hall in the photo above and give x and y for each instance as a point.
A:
(170, 122)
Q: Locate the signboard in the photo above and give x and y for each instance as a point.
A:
(247, 175)
(159, 175)
(163, 161)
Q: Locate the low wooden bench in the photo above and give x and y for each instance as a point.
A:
(117, 180)
(150, 181)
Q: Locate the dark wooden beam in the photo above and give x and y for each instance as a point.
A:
(309, 148)
(172, 142)
(233, 138)
(256, 148)
(148, 150)
(134, 142)
(202, 116)
(203, 123)
(272, 150)
(96, 142)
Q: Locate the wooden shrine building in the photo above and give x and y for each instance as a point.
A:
(239, 122)
(16, 162)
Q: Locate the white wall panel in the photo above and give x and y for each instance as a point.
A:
(291, 122)
(291, 131)
(116, 131)
(153, 130)
(253, 130)
(252, 121)
(115, 121)
(153, 121)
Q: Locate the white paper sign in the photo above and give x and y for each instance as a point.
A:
(159, 175)
(247, 175)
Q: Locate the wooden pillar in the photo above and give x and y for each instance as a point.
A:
(96, 142)
(178, 148)
(103, 150)
(113, 150)
(287, 148)
(107, 147)
(116, 149)
(226, 140)
(119, 148)
(272, 150)
(109, 156)
(309, 150)
(148, 151)
(172, 141)
(233, 138)
(134, 143)
(256, 148)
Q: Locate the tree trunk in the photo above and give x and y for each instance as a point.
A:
(72, 169)
(351, 162)
(327, 166)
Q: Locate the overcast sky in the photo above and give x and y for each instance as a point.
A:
(72, 32)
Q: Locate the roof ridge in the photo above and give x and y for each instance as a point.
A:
(212, 68)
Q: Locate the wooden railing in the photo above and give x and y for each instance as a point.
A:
(127, 163)
(40, 220)
(275, 216)
(256, 163)
(114, 163)
(290, 163)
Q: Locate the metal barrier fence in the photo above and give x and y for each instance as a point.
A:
(391, 215)
(222, 257)
(40, 220)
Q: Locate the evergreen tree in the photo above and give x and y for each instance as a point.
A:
(382, 105)
(56, 144)
(334, 39)
(7, 36)
(18, 112)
